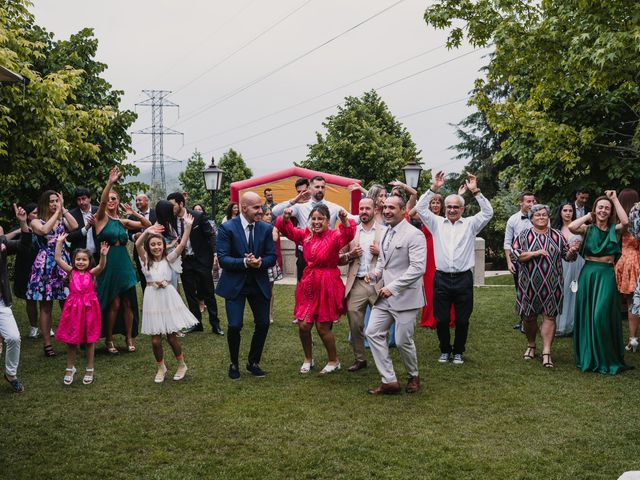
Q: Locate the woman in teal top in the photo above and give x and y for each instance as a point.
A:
(597, 334)
(116, 287)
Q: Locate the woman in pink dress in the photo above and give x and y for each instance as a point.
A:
(320, 292)
(80, 321)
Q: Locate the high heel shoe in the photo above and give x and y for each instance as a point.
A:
(111, 348)
(632, 346)
(162, 371)
(331, 368)
(306, 367)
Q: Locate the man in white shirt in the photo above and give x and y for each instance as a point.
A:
(84, 236)
(454, 247)
(302, 204)
(362, 255)
(517, 222)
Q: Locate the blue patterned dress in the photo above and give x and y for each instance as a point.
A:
(47, 279)
(540, 280)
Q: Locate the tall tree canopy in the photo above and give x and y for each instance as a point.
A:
(567, 73)
(65, 128)
(364, 141)
(192, 181)
(234, 168)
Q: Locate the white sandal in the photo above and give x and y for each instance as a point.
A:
(330, 368)
(88, 377)
(68, 378)
(162, 371)
(306, 367)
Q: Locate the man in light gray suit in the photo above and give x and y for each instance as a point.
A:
(398, 279)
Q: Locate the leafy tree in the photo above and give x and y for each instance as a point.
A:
(192, 181)
(65, 128)
(364, 141)
(234, 168)
(569, 72)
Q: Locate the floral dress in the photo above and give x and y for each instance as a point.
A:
(634, 229)
(47, 279)
(320, 292)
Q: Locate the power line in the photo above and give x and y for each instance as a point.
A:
(435, 107)
(217, 134)
(245, 45)
(406, 77)
(213, 34)
(235, 92)
(318, 111)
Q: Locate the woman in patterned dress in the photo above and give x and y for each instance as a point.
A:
(634, 229)
(540, 250)
(46, 282)
(628, 267)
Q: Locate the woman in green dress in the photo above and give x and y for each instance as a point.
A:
(597, 335)
(116, 287)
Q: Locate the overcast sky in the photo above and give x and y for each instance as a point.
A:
(222, 76)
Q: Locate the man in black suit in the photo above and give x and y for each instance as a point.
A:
(142, 205)
(197, 263)
(246, 252)
(85, 235)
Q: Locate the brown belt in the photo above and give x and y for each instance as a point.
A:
(606, 259)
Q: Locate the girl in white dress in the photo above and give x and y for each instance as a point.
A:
(163, 311)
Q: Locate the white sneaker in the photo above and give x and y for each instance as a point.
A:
(444, 358)
(33, 332)
(457, 359)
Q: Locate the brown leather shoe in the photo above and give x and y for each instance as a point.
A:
(413, 385)
(357, 366)
(386, 389)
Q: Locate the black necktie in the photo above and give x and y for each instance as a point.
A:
(250, 242)
(524, 217)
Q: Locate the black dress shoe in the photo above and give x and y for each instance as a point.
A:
(357, 366)
(234, 373)
(217, 331)
(256, 371)
(195, 328)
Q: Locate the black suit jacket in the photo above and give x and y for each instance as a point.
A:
(76, 238)
(203, 240)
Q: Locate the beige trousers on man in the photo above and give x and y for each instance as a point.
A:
(377, 330)
(360, 296)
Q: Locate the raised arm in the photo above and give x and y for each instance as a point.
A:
(129, 224)
(302, 197)
(43, 230)
(284, 224)
(104, 250)
(482, 218)
(411, 192)
(70, 223)
(58, 253)
(101, 214)
(623, 219)
(188, 224)
(25, 239)
(578, 226)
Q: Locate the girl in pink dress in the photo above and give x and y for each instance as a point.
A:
(320, 292)
(80, 321)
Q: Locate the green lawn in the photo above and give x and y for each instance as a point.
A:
(500, 280)
(495, 417)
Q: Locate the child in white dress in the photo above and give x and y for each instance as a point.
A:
(163, 311)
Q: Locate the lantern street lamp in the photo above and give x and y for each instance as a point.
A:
(412, 173)
(212, 182)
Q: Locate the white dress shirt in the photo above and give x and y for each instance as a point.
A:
(87, 231)
(454, 244)
(515, 225)
(365, 240)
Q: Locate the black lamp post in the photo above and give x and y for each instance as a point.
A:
(213, 181)
(412, 173)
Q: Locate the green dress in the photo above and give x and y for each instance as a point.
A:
(118, 278)
(597, 335)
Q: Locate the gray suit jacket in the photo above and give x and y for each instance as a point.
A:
(354, 265)
(403, 267)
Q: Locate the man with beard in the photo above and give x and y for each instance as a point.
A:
(301, 205)
(362, 255)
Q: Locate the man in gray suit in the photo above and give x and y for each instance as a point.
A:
(398, 279)
(362, 255)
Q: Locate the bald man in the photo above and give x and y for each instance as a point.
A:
(245, 253)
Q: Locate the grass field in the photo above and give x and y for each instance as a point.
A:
(495, 417)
